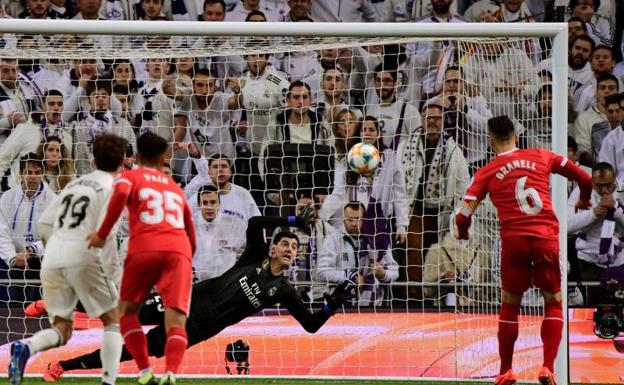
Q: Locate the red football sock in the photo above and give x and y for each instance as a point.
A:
(507, 334)
(135, 340)
(175, 348)
(551, 332)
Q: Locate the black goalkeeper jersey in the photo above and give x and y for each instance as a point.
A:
(244, 290)
(248, 287)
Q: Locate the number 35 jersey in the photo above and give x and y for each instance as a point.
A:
(159, 216)
(77, 213)
(518, 182)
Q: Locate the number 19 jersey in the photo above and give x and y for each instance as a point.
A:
(518, 182)
(77, 213)
(159, 216)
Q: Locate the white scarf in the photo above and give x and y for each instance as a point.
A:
(97, 124)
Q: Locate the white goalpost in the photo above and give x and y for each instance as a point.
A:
(414, 330)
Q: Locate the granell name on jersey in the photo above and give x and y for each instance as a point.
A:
(156, 178)
(509, 167)
(250, 292)
(86, 182)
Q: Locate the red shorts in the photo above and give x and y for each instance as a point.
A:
(527, 261)
(170, 272)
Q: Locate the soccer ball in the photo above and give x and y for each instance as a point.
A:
(363, 158)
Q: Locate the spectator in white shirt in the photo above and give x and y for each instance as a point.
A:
(15, 104)
(236, 202)
(602, 62)
(220, 238)
(612, 150)
(20, 208)
(346, 254)
(152, 108)
(298, 9)
(205, 117)
(592, 126)
(599, 27)
(397, 118)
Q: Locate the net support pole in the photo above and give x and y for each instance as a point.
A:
(559, 184)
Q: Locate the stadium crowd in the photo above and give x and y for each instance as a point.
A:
(235, 121)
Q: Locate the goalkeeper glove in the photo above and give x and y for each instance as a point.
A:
(341, 294)
(305, 219)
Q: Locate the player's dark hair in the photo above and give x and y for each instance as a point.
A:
(501, 128)
(285, 234)
(52, 92)
(150, 147)
(255, 12)
(219, 157)
(572, 145)
(603, 166)
(606, 78)
(129, 150)
(207, 189)
(584, 38)
(30, 158)
(298, 83)
(210, 2)
(109, 152)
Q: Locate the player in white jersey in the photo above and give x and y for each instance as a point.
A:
(71, 271)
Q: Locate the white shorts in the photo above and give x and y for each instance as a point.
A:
(64, 286)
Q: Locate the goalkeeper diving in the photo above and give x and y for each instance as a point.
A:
(257, 281)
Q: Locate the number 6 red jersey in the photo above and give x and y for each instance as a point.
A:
(159, 215)
(518, 182)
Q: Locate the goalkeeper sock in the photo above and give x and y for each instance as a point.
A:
(110, 353)
(507, 334)
(175, 349)
(551, 332)
(91, 360)
(135, 340)
(45, 339)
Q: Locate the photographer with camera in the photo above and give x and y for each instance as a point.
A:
(599, 229)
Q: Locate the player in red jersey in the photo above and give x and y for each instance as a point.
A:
(518, 183)
(162, 242)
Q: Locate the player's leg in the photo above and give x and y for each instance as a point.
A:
(156, 340)
(174, 286)
(515, 279)
(112, 344)
(140, 273)
(547, 277)
(61, 299)
(98, 295)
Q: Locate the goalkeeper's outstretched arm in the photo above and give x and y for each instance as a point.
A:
(312, 322)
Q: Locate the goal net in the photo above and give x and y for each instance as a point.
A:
(269, 120)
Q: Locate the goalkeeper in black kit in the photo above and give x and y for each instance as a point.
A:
(257, 281)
